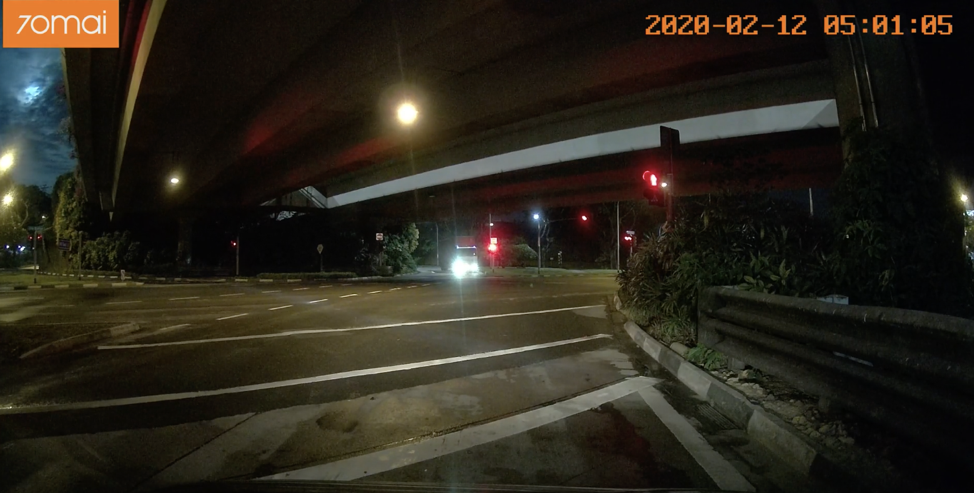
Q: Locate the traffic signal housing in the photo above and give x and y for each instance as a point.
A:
(653, 190)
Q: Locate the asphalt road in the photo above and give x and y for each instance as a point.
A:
(425, 378)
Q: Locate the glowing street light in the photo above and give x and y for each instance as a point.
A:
(963, 198)
(174, 180)
(8, 199)
(6, 161)
(407, 113)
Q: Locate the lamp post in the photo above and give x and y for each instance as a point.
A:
(537, 219)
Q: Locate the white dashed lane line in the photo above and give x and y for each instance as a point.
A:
(348, 295)
(424, 285)
(374, 292)
(185, 298)
(300, 289)
(232, 316)
(232, 294)
(411, 287)
(171, 327)
(317, 301)
(328, 286)
(122, 302)
(276, 291)
(279, 307)
(395, 289)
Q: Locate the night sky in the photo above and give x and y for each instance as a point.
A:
(30, 113)
(31, 109)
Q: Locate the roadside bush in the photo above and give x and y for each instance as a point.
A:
(899, 229)
(518, 255)
(111, 252)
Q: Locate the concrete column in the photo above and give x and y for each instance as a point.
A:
(184, 245)
(876, 77)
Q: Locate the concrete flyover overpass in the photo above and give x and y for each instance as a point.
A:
(291, 103)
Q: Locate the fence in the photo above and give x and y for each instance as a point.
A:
(907, 370)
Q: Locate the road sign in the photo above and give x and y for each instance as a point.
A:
(64, 245)
(630, 232)
(321, 248)
(493, 241)
(378, 237)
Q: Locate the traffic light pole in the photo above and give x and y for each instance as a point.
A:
(238, 254)
(618, 246)
(35, 256)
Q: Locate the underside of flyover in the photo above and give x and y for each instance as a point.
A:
(246, 101)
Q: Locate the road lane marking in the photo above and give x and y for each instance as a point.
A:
(348, 295)
(265, 292)
(224, 318)
(328, 286)
(93, 285)
(279, 308)
(7, 409)
(185, 298)
(721, 471)
(317, 301)
(350, 329)
(396, 457)
(122, 302)
(374, 292)
(411, 287)
(424, 285)
(300, 289)
(171, 327)
(395, 289)
(232, 294)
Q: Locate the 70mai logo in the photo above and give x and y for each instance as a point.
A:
(60, 23)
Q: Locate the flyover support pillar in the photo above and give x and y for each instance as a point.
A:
(877, 78)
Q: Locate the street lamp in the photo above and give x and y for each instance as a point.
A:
(537, 218)
(407, 113)
(6, 161)
(963, 198)
(174, 181)
(8, 199)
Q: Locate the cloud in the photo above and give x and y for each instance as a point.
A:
(31, 111)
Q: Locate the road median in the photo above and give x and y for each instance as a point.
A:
(39, 340)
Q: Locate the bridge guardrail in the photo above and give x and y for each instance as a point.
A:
(908, 370)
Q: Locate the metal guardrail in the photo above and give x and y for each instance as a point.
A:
(908, 370)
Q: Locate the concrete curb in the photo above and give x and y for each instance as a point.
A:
(70, 343)
(23, 287)
(767, 429)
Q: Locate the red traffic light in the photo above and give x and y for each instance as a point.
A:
(584, 218)
(233, 244)
(492, 247)
(627, 238)
(650, 178)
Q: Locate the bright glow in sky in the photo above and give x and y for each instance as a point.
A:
(31, 93)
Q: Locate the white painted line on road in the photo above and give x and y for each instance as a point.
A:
(7, 409)
(171, 327)
(185, 298)
(411, 287)
(395, 289)
(721, 471)
(348, 295)
(119, 284)
(122, 302)
(231, 294)
(328, 286)
(293, 280)
(224, 318)
(300, 289)
(279, 308)
(374, 292)
(317, 301)
(92, 285)
(350, 329)
(276, 291)
(424, 285)
(396, 457)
